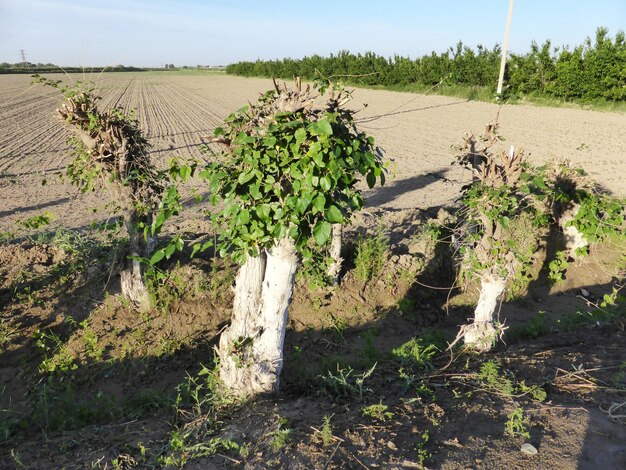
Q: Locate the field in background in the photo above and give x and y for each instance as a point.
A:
(177, 109)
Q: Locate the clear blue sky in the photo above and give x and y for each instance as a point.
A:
(217, 32)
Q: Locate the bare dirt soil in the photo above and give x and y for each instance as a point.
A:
(87, 382)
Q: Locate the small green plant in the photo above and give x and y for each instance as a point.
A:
(338, 325)
(422, 453)
(536, 327)
(557, 268)
(377, 412)
(371, 255)
(280, 437)
(370, 351)
(326, 431)
(56, 355)
(534, 391)
(418, 353)
(406, 305)
(7, 331)
(345, 383)
(90, 339)
(516, 424)
(37, 221)
(494, 381)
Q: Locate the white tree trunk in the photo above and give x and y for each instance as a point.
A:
(335, 253)
(251, 348)
(573, 238)
(481, 334)
(132, 282)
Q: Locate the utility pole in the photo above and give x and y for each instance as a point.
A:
(505, 46)
(23, 54)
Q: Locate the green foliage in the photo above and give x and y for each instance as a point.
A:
(557, 267)
(56, 355)
(377, 412)
(600, 216)
(37, 221)
(326, 432)
(110, 151)
(280, 437)
(371, 256)
(289, 171)
(422, 453)
(491, 378)
(516, 424)
(592, 70)
(418, 353)
(345, 383)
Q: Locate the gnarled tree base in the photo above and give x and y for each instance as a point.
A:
(251, 348)
(482, 334)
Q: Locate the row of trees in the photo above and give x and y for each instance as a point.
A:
(283, 185)
(592, 70)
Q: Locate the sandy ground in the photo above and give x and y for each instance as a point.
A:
(416, 132)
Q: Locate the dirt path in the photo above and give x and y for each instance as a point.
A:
(416, 132)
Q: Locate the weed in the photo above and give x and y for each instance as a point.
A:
(182, 452)
(422, 453)
(557, 268)
(418, 353)
(201, 396)
(407, 276)
(533, 328)
(371, 255)
(6, 237)
(166, 288)
(200, 400)
(90, 338)
(326, 431)
(516, 424)
(491, 378)
(37, 221)
(406, 305)
(534, 391)
(495, 381)
(57, 356)
(167, 346)
(280, 437)
(55, 409)
(370, 352)
(345, 384)
(377, 412)
(338, 325)
(6, 332)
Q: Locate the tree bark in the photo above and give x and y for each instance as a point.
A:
(335, 253)
(132, 282)
(481, 334)
(251, 348)
(574, 240)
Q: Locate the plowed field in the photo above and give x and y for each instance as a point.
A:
(176, 110)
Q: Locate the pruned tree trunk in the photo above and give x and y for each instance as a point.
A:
(481, 334)
(251, 348)
(335, 253)
(574, 240)
(132, 280)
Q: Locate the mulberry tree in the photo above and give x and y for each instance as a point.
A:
(287, 174)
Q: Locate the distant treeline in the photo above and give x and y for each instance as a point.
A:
(29, 67)
(593, 70)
